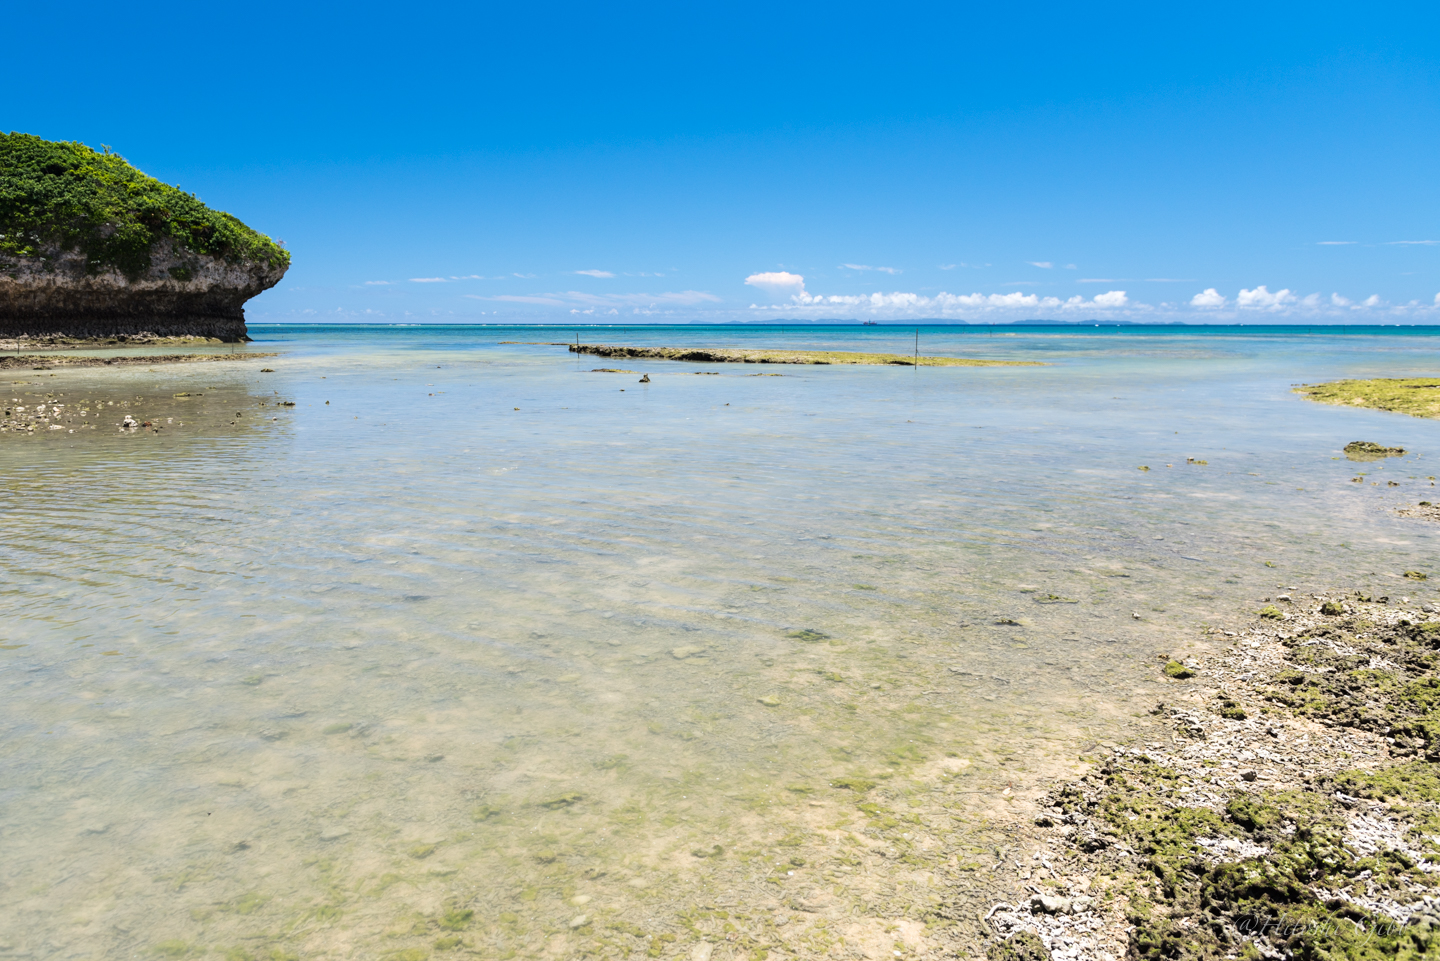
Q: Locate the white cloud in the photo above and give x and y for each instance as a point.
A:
(1339, 301)
(1412, 243)
(779, 284)
(948, 266)
(378, 283)
(901, 303)
(1209, 297)
(595, 273)
(1372, 301)
(679, 298)
(520, 299)
(570, 298)
(1437, 300)
(892, 271)
(525, 276)
(428, 280)
(1334, 243)
(1040, 263)
(1102, 280)
(1016, 299)
(1071, 267)
(1262, 299)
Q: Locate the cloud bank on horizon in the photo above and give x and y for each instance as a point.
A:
(789, 296)
(784, 295)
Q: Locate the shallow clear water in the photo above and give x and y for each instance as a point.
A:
(490, 632)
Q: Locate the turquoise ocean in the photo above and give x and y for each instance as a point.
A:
(479, 649)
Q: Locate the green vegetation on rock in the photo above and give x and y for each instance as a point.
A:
(63, 196)
(1177, 670)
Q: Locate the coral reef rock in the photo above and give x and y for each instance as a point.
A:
(90, 247)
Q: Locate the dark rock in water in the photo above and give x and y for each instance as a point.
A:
(91, 247)
(1369, 450)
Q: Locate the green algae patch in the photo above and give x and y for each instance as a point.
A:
(457, 919)
(857, 784)
(1186, 903)
(1021, 946)
(725, 355)
(1177, 670)
(1416, 396)
(1416, 781)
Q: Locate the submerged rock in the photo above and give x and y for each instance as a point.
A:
(91, 247)
(1369, 450)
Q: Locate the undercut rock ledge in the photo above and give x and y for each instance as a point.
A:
(183, 294)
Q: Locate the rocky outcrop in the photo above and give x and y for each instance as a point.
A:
(91, 247)
(183, 294)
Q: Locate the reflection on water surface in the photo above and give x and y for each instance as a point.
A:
(762, 662)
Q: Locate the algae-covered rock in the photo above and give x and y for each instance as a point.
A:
(92, 247)
(1021, 946)
(1416, 396)
(1369, 450)
(1177, 670)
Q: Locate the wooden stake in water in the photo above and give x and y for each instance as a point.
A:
(917, 348)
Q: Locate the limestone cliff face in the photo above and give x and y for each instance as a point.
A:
(182, 294)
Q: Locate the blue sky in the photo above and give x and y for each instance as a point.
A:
(544, 162)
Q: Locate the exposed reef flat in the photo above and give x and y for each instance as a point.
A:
(92, 410)
(1416, 396)
(90, 247)
(747, 356)
(50, 362)
(1292, 810)
(51, 342)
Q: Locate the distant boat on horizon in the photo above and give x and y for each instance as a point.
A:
(869, 323)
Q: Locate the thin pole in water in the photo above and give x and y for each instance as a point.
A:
(917, 348)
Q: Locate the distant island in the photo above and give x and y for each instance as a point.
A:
(92, 248)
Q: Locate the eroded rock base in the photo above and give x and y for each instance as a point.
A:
(85, 331)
